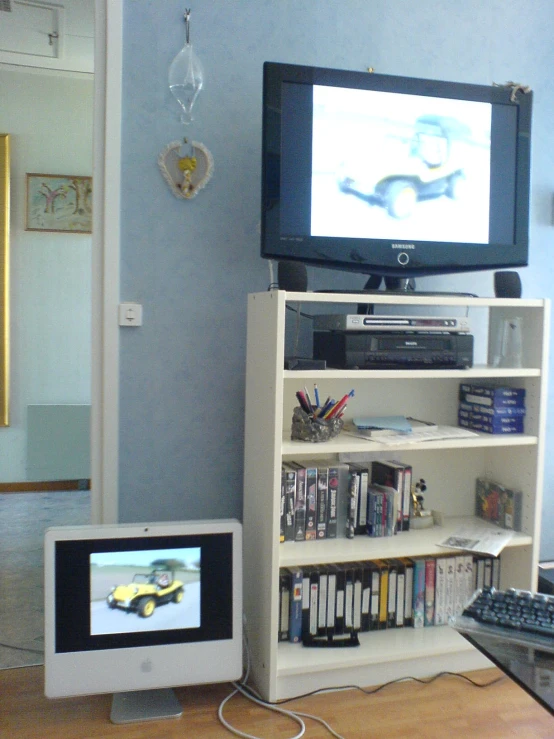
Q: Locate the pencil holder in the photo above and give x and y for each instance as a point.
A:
(310, 428)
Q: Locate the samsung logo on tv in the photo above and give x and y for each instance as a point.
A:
(403, 246)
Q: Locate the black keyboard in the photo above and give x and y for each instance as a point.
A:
(513, 610)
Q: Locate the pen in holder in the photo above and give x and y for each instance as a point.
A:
(311, 428)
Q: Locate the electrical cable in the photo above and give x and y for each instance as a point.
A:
(22, 649)
(251, 694)
(373, 691)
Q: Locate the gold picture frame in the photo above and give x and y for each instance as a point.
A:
(59, 203)
(4, 277)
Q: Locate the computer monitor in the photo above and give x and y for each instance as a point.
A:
(137, 609)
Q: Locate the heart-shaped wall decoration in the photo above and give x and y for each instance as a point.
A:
(186, 175)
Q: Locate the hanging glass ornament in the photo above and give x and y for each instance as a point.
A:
(186, 76)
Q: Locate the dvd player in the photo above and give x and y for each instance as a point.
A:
(364, 350)
(349, 322)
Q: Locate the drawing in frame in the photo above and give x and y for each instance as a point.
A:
(61, 203)
(4, 277)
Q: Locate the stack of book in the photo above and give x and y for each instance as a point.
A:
(326, 499)
(493, 410)
(334, 601)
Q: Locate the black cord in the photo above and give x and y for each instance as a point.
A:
(372, 691)
(22, 649)
(304, 315)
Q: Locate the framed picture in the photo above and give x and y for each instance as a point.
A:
(58, 202)
(4, 276)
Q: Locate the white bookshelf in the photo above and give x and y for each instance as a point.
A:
(449, 467)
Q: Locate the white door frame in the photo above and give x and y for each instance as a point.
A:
(105, 261)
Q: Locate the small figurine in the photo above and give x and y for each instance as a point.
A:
(187, 165)
(420, 518)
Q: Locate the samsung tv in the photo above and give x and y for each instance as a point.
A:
(393, 176)
(136, 610)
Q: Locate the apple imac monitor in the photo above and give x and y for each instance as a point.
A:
(393, 176)
(137, 609)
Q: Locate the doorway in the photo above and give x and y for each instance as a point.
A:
(49, 116)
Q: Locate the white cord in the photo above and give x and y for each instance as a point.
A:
(240, 688)
(283, 711)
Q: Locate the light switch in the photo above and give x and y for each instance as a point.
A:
(130, 314)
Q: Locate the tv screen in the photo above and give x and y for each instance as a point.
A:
(393, 175)
(136, 607)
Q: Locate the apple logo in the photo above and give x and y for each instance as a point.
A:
(146, 666)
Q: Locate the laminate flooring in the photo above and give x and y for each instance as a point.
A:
(23, 520)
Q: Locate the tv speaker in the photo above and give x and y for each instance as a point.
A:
(292, 276)
(507, 285)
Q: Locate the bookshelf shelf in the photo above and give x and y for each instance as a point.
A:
(449, 467)
(375, 648)
(346, 444)
(406, 544)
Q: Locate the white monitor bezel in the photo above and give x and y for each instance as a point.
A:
(148, 667)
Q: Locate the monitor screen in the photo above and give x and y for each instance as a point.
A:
(134, 607)
(393, 175)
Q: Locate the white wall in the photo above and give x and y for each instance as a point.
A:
(49, 119)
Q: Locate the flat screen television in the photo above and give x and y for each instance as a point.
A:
(393, 176)
(136, 610)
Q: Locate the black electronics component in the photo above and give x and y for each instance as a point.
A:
(357, 322)
(365, 350)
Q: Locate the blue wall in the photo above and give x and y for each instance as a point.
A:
(192, 264)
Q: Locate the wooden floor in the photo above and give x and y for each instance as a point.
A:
(450, 707)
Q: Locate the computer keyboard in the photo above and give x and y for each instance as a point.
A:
(518, 611)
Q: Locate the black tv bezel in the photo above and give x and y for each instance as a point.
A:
(379, 256)
(72, 591)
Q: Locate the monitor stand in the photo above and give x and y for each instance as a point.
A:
(145, 705)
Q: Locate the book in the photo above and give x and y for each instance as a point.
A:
(419, 594)
(498, 504)
(322, 601)
(290, 494)
(392, 593)
(284, 604)
(366, 596)
(348, 599)
(508, 425)
(400, 595)
(340, 596)
(374, 597)
(299, 501)
(496, 412)
(332, 501)
(491, 396)
(363, 482)
(353, 491)
(430, 570)
(408, 590)
(450, 599)
(461, 594)
(440, 591)
(331, 599)
(295, 618)
(282, 507)
(357, 597)
(496, 572)
(383, 593)
(468, 577)
(311, 503)
(322, 494)
(391, 474)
